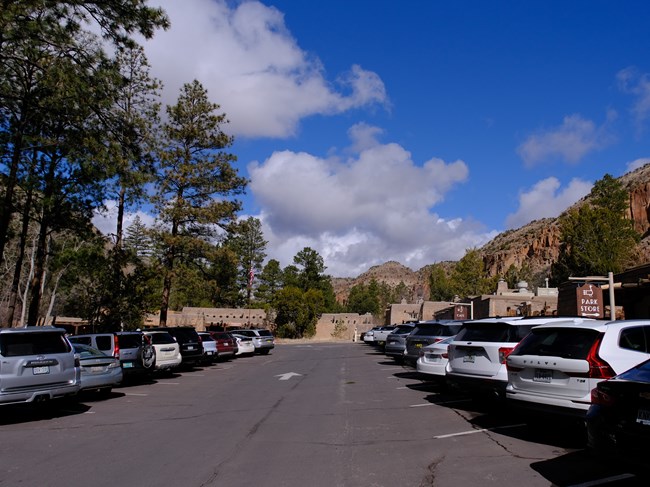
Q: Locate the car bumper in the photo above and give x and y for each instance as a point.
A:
(39, 394)
(98, 381)
(477, 385)
(553, 405)
(431, 369)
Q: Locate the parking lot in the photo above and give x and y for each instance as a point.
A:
(318, 414)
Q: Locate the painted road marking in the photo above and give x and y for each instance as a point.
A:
(483, 430)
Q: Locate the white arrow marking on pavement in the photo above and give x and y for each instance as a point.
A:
(288, 375)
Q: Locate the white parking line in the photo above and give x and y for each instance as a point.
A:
(134, 394)
(440, 403)
(471, 432)
(615, 478)
(169, 383)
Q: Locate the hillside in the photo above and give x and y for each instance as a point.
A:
(536, 244)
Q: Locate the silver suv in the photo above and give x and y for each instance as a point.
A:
(38, 363)
(132, 348)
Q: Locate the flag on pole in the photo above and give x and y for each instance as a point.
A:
(251, 275)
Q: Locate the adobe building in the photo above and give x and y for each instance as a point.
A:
(342, 326)
(205, 318)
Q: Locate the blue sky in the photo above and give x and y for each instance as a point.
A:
(411, 131)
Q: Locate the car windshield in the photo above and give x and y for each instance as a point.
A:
(573, 343)
(437, 329)
(493, 332)
(35, 343)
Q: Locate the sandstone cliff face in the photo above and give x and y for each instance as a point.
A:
(536, 244)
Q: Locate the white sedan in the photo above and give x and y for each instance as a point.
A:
(433, 359)
(245, 345)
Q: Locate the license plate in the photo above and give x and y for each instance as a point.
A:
(543, 375)
(41, 370)
(190, 347)
(643, 417)
(469, 358)
(418, 345)
(96, 370)
(127, 365)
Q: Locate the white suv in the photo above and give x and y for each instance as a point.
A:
(477, 356)
(554, 369)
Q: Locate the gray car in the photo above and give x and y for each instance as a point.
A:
(99, 372)
(37, 363)
(396, 341)
(426, 333)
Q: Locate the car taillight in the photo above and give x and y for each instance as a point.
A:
(503, 353)
(601, 398)
(436, 340)
(116, 347)
(421, 353)
(598, 368)
(445, 355)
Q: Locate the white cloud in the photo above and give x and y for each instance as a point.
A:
(638, 84)
(373, 207)
(637, 163)
(571, 141)
(546, 200)
(106, 220)
(252, 67)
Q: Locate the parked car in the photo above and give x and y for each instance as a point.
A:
(210, 352)
(618, 420)
(226, 344)
(244, 345)
(426, 333)
(433, 359)
(37, 363)
(168, 351)
(554, 369)
(477, 355)
(369, 336)
(396, 341)
(132, 348)
(262, 339)
(99, 372)
(188, 340)
(380, 335)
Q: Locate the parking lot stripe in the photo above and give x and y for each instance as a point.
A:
(483, 430)
(170, 383)
(615, 478)
(134, 394)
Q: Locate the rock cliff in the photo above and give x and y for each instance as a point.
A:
(536, 244)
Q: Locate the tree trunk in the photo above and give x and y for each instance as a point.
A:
(8, 203)
(167, 282)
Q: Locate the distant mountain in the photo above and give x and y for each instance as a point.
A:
(536, 244)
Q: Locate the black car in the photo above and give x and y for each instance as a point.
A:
(618, 421)
(189, 341)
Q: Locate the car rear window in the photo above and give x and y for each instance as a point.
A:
(403, 329)
(635, 338)
(265, 333)
(129, 341)
(493, 332)
(35, 343)
(185, 334)
(221, 336)
(161, 338)
(104, 342)
(437, 329)
(572, 343)
(206, 337)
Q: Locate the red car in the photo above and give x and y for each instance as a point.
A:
(226, 344)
